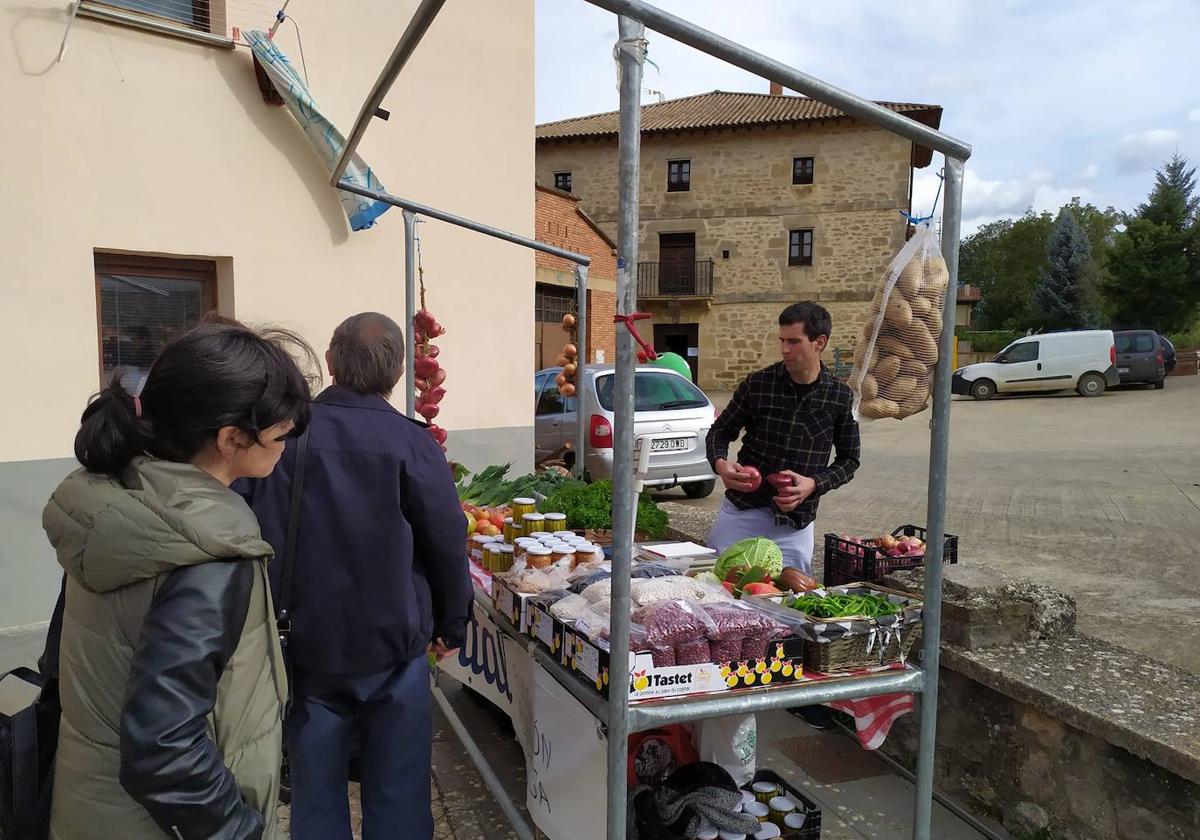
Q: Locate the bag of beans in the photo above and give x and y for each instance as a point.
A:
(898, 349)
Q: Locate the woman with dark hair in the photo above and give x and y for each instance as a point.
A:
(171, 678)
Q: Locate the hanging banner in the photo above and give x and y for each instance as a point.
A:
(483, 661)
(325, 138)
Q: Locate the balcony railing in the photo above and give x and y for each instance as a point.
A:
(675, 280)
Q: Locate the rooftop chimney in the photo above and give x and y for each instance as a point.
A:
(776, 89)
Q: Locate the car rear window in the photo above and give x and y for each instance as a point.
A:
(653, 392)
(1122, 343)
(1144, 343)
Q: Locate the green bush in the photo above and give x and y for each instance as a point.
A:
(990, 341)
(1186, 340)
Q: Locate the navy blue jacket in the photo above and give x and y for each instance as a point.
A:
(380, 566)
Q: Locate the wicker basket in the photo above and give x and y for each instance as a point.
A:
(603, 537)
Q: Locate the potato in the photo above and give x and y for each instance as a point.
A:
(911, 367)
(937, 276)
(885, 370)
(890, 345)
(860, 353)
(878, 408)
(917, 337)
(921, 307)
(911, 279)
(915, 404)
(869, 388)
(934, 320)
(900, 388)
(899, 313)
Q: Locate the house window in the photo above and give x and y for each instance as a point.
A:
(800, 247)
(562, 181)
(194, 14)
(551, 303)
(802, 170)
(144, 302)
(679, 175)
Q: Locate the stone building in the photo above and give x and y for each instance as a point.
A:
(749, 202)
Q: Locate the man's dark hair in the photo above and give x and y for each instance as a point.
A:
(367, 353)
(813, 316)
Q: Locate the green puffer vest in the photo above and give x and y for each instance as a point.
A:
(117, 541)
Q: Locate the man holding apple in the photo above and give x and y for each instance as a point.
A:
(795, 415)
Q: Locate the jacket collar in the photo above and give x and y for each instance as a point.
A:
(824, 378)
(340, 395)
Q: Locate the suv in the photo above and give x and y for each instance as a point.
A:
(1141, 357)
(671, 415)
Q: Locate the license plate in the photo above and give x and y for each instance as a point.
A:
(1122, 370)
(669, 444)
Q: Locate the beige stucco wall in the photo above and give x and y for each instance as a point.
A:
(143, 143)
(742, 200)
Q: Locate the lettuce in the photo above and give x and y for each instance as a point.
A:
(755, 551)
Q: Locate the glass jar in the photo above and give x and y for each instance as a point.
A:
(780, 807)
(522, 506)
(562, 554)
(769, 831)
(758, 810)
(556, 522)
(586, 552)
(477, 543)
(530, 523)
(544, 537)
(523, 543)
(538, 557)
(508, 534)
(764, 792)
(504, 556)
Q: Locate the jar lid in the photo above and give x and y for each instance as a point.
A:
(765, 787)
(556, 517)
(524, 501)
(481, 538)
(539, 550)
(533, 517)
(782, 803)
(505, 548)
(508, 520)
(768, 832)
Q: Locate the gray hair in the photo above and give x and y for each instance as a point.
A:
(366, 353)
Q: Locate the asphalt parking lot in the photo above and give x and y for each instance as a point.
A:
(1098, 497)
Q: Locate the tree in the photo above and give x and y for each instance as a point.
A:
(1003, 259)
(1154, 264)
(1063, 293)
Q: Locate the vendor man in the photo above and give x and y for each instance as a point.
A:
(794, 413)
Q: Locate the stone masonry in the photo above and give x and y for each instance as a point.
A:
(742, 200)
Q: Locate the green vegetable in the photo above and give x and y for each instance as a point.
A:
(590, 506)
(707, 577)
(842, 606)
(488, 487)
(755, 551)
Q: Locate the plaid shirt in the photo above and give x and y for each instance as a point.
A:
(785, 434)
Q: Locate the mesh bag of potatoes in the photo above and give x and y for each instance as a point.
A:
(898, 349)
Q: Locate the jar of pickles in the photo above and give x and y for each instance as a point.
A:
(477, 543)
(556, 522)
(503, 555)
(522, 506)
(530, 523)
(507, 532)
(543, 537)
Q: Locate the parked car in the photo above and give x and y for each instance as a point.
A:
(1140, 357)
(671, 415)
(1085, 360)
(1168, 353)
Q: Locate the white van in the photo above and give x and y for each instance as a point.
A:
(1085, 360)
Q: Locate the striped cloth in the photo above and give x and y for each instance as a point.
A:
(874, 716)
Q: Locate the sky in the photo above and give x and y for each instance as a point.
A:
(1058, 98)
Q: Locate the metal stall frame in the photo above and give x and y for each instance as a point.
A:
(634, 16)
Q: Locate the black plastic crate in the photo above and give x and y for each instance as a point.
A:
(812, 813)
(843, 564)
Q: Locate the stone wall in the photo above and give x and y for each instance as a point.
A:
(742, 201)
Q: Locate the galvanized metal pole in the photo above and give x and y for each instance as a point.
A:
(688, 33)
(581, 334)
(405, 47)
(630, 55)
(410, 309)
(939, 458)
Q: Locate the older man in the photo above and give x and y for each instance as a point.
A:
(379, 576)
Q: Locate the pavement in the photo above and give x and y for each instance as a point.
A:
(1097, 497)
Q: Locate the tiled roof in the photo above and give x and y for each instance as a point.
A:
(721, 109)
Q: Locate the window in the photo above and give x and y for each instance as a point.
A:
(1144, 343)
(1026, 351)
(679, 175)
(653, 392)
(800, 247)
(551, 303)
(562, 181)
(143, 303)
(549, 400)
(193, 14)
(802, 170)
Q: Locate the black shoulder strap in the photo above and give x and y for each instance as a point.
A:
(293, 527)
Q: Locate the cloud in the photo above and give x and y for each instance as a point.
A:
(1089, 172)
(1143, 151)
(1194, 115)
(987, 200)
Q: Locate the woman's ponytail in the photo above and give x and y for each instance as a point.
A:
(112, 431)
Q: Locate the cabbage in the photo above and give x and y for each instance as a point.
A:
(707, 577)
(755, 551)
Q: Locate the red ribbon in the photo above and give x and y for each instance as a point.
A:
(628, 321)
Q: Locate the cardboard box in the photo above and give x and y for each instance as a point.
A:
(511, 604)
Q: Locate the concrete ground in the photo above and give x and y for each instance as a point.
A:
(1099, 498)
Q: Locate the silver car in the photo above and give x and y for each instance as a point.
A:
(671, 415)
